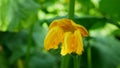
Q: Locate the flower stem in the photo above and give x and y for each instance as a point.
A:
(65, 61)
(89, 55)
(71, 9)
(76, 61)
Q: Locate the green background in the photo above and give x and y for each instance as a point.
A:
(24, 24)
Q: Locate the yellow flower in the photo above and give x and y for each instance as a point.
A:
(68, 33)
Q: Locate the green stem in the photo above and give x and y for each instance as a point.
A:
(89, 55)
(76, 61)
(29, 47)
(71, 9)
(65, 61)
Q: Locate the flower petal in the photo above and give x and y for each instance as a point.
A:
(64, 47)
(82, 29)
(72, 43)
(79, 42)
(56, 23)
(68, 25)
(69, 44)
(53, 38)
(64, 23)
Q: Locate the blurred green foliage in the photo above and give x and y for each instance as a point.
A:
(24, 24)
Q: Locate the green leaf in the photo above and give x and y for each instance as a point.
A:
(39, 33)
(110, 8)
(90, 22)
(42, 60)
(3, 60)
(105, 47)
(106, 51)
(18, 14)
(18, 53)
(86, 6)
(116, 33)
(13, 40)
(14, 44)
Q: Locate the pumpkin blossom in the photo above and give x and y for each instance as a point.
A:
(68, 33)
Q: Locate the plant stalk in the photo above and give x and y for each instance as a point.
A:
(71, 9)
(65, 61)
(89, 55)
(76, 61)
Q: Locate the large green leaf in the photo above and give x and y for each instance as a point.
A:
(39, 33)
(86, 6)
(3, 60)
(12, 40)
(105, 48)
(17, 14)
(106, 52)
(42, 60)
(110, 8)
(18, 53)
(14, 44)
